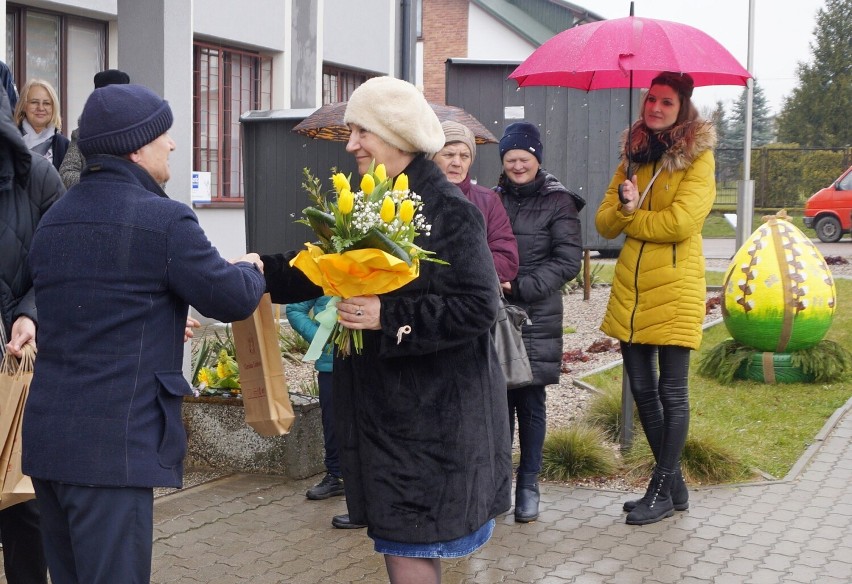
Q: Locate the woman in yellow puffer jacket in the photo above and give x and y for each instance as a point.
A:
(657, 305)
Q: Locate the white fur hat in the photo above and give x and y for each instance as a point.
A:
(396, 112)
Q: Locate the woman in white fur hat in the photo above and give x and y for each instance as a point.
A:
(421, 413)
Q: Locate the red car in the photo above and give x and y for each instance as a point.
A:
(829, 210)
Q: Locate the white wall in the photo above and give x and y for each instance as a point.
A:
(258, 23)
(92, 8)
(353, 34)
(489, 39)
(226, 229)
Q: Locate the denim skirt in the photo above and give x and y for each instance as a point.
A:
(456, 548)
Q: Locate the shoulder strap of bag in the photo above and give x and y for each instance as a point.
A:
(648, 188)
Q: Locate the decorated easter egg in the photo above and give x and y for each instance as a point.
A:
(779, 293)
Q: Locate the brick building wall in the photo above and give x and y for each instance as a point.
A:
(445, 24)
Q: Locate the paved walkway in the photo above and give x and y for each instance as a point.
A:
(250, 528)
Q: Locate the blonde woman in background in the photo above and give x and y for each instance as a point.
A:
(37, 117)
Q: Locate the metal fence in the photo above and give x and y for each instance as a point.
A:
(784, 177)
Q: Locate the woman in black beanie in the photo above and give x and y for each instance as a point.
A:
(545, 219)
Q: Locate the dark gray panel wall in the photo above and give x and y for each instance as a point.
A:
(273, 161)
(580, 131)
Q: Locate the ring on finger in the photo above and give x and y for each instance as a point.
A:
(359, 312)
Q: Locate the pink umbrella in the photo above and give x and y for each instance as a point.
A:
(619, 53)
(603, 55)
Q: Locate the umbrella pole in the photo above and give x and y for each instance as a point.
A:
(629, 133)
(629, 129)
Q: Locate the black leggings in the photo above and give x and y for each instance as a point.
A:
(662, 399)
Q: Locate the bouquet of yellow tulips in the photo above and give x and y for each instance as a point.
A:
(365, 245)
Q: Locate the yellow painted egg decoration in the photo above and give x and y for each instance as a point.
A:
(779, 293)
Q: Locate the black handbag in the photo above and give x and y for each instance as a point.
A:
(509, 344)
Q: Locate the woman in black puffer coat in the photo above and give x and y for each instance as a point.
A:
(28, 188)
(545, 219)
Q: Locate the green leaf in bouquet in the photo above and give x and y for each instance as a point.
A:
(321, 222)
(377, 240)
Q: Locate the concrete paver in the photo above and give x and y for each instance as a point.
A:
(255, 528)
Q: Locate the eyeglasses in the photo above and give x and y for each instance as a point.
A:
(35, 103)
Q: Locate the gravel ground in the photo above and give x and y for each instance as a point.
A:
(566, 401)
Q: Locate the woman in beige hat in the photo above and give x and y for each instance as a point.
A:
(421, 412)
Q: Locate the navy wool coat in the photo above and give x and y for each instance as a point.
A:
(422, 418)
(115, 264)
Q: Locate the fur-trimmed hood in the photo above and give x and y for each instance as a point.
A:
(693, 139)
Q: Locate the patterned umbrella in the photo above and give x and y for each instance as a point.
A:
(327, 123)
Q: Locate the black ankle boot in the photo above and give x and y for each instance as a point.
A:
(657, 504)
(526, 498)
(679, 494)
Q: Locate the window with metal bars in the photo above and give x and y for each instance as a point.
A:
(338, 84)
(227, 82)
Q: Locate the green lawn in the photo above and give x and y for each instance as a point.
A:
(769, 426)
(717, 226)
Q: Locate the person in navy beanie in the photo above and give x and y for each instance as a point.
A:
(546, 223)
(115, 265)
(119, 119)
(521, 136)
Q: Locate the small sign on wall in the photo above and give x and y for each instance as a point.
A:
(513, 112)
(200, 187)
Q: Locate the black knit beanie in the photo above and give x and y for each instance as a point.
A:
(521, 136)
(119, 119)
(111, 77)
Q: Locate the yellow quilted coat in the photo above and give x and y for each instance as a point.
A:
(658, 291)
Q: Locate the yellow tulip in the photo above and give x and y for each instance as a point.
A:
(204, 376)
(388, 211)
(345, 201)
(340, 182)
(406, 211)
(368, 184)
(401, 183)
(381, 173)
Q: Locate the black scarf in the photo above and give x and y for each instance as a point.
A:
(652, 149)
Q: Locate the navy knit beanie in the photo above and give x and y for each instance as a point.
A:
(521, 136)
(120, 119)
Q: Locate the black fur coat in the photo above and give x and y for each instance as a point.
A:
(423, 424)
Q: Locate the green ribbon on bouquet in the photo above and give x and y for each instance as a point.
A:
(327, 319)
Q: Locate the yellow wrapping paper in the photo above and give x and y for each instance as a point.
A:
(356, 272)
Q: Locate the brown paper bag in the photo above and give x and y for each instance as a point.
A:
(264, 389)
(15, 377)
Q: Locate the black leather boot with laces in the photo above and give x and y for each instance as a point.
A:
(679, 494)
(657, 504)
